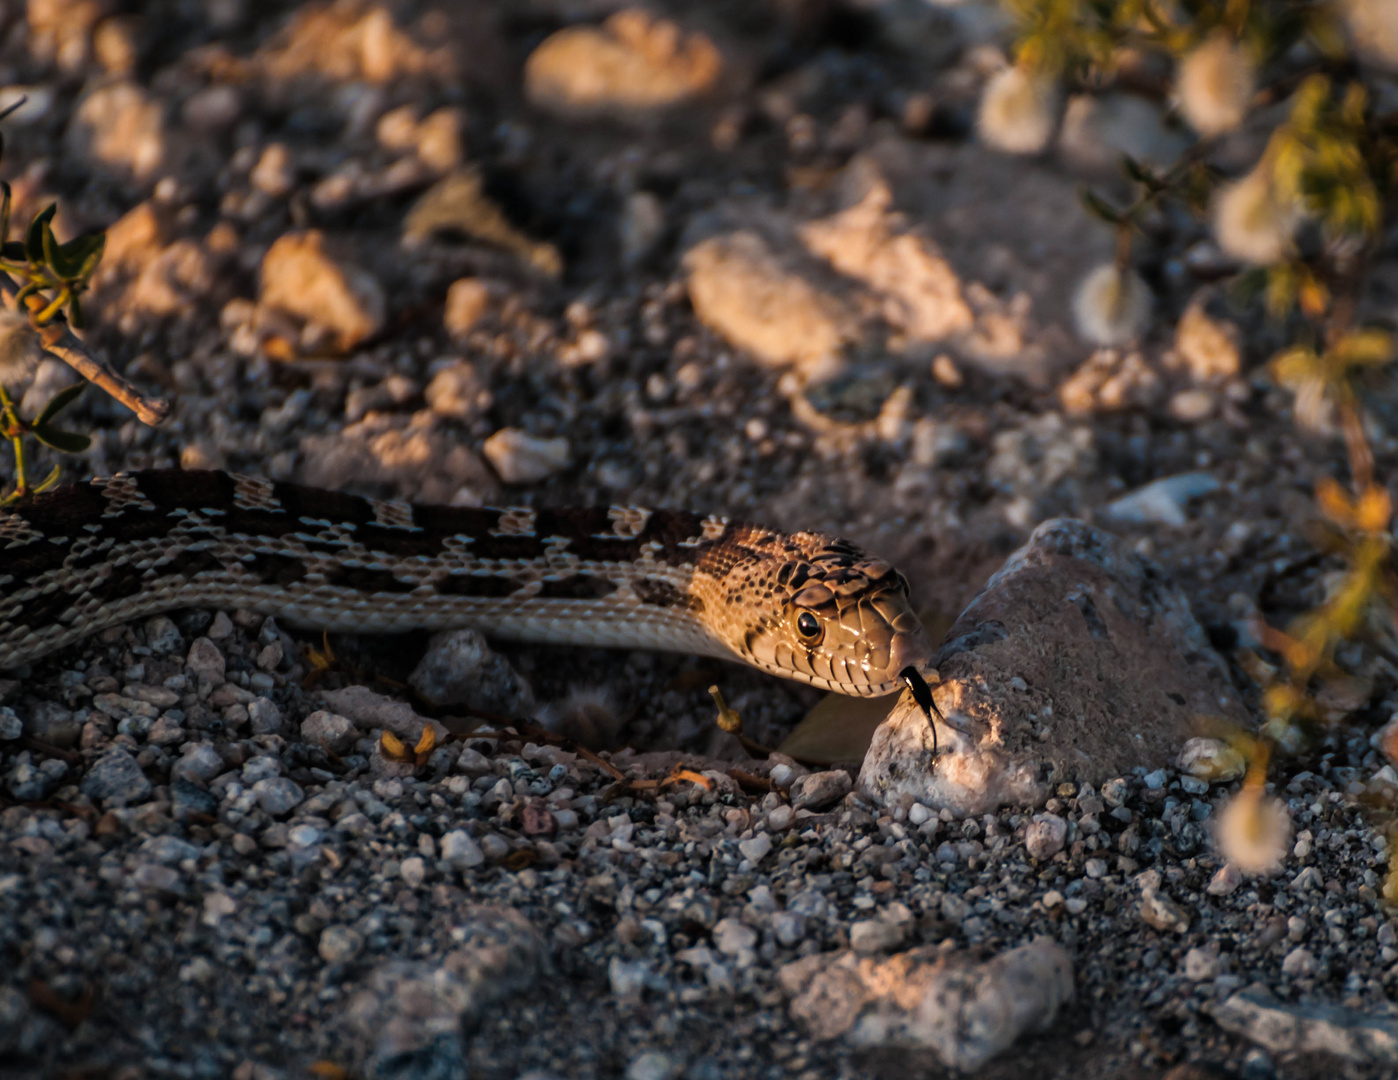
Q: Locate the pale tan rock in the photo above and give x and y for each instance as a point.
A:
(1077, 661)
(1109, 380)
(274, 174)
(458, 392)
(436, 139)
(409, 457)
(61, 30)
(458, 204)
(521, 458)
(921, 292)
(1206, 347)
(1192, 406)
(346, 41)
(741, 290)
(171, 281)
(116, 45)
(122, 127)
(927, 999)
(301, 278)
(641, 226)
(213, 109)
(132, 240)
(633, 63)
(467, 300)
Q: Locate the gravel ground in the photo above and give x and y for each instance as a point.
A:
(374, 248)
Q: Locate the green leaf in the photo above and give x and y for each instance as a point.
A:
(1099, 207)
(75, 313)
(34, 240)
(14, 251)
(1140, 174)
(48, 481)
(69, 442)
(75, 260)
(86, 251)
(1362, 348)
(59, 402)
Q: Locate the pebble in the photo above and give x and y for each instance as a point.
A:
(1300, 963)
(1045, 836)
(756, 849)
(733, 938)
(458, 392)
(459, 851)
(278, 795)
(869, 936)
(653, 1065)
(1159, 911)
(116, 780)
(121, 126)
(335, 732)
(458, 204)
(1225, 879)
(819, 791)
(11, 727)
(921, 294)
(635, 63)
(1202, 965)
(1164, 501)
(741, 290)
(965, 1012)
(336, 297)
(459, 668)
(467, 301)
(521, 458)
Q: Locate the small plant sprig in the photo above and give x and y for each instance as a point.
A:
(1304, 225)
(41, 284)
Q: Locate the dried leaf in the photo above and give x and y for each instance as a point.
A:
(680, 773)
(392, 748)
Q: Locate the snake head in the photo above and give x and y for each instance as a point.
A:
(826, 613)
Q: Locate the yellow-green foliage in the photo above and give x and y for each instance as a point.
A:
(1328, 173)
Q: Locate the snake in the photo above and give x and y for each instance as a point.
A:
(803, 605)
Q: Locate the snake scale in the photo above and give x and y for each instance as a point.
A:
(802, 605)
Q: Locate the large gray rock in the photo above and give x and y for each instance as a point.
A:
(1308, 1029)
(411, 1016)
(964, 1011)
(1077, 661)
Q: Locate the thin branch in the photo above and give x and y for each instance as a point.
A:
(59, 339)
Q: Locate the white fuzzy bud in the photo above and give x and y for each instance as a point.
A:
(1019, 111)
(1111, 306)
(1254, 832)
(1252, 221)
(1373, 25)
(1216, 84)
(20, 349)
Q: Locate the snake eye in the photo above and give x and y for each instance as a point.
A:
(808, 628)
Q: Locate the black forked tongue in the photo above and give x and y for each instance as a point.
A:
(922, 694)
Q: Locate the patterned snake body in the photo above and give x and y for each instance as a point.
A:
(802, 605)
